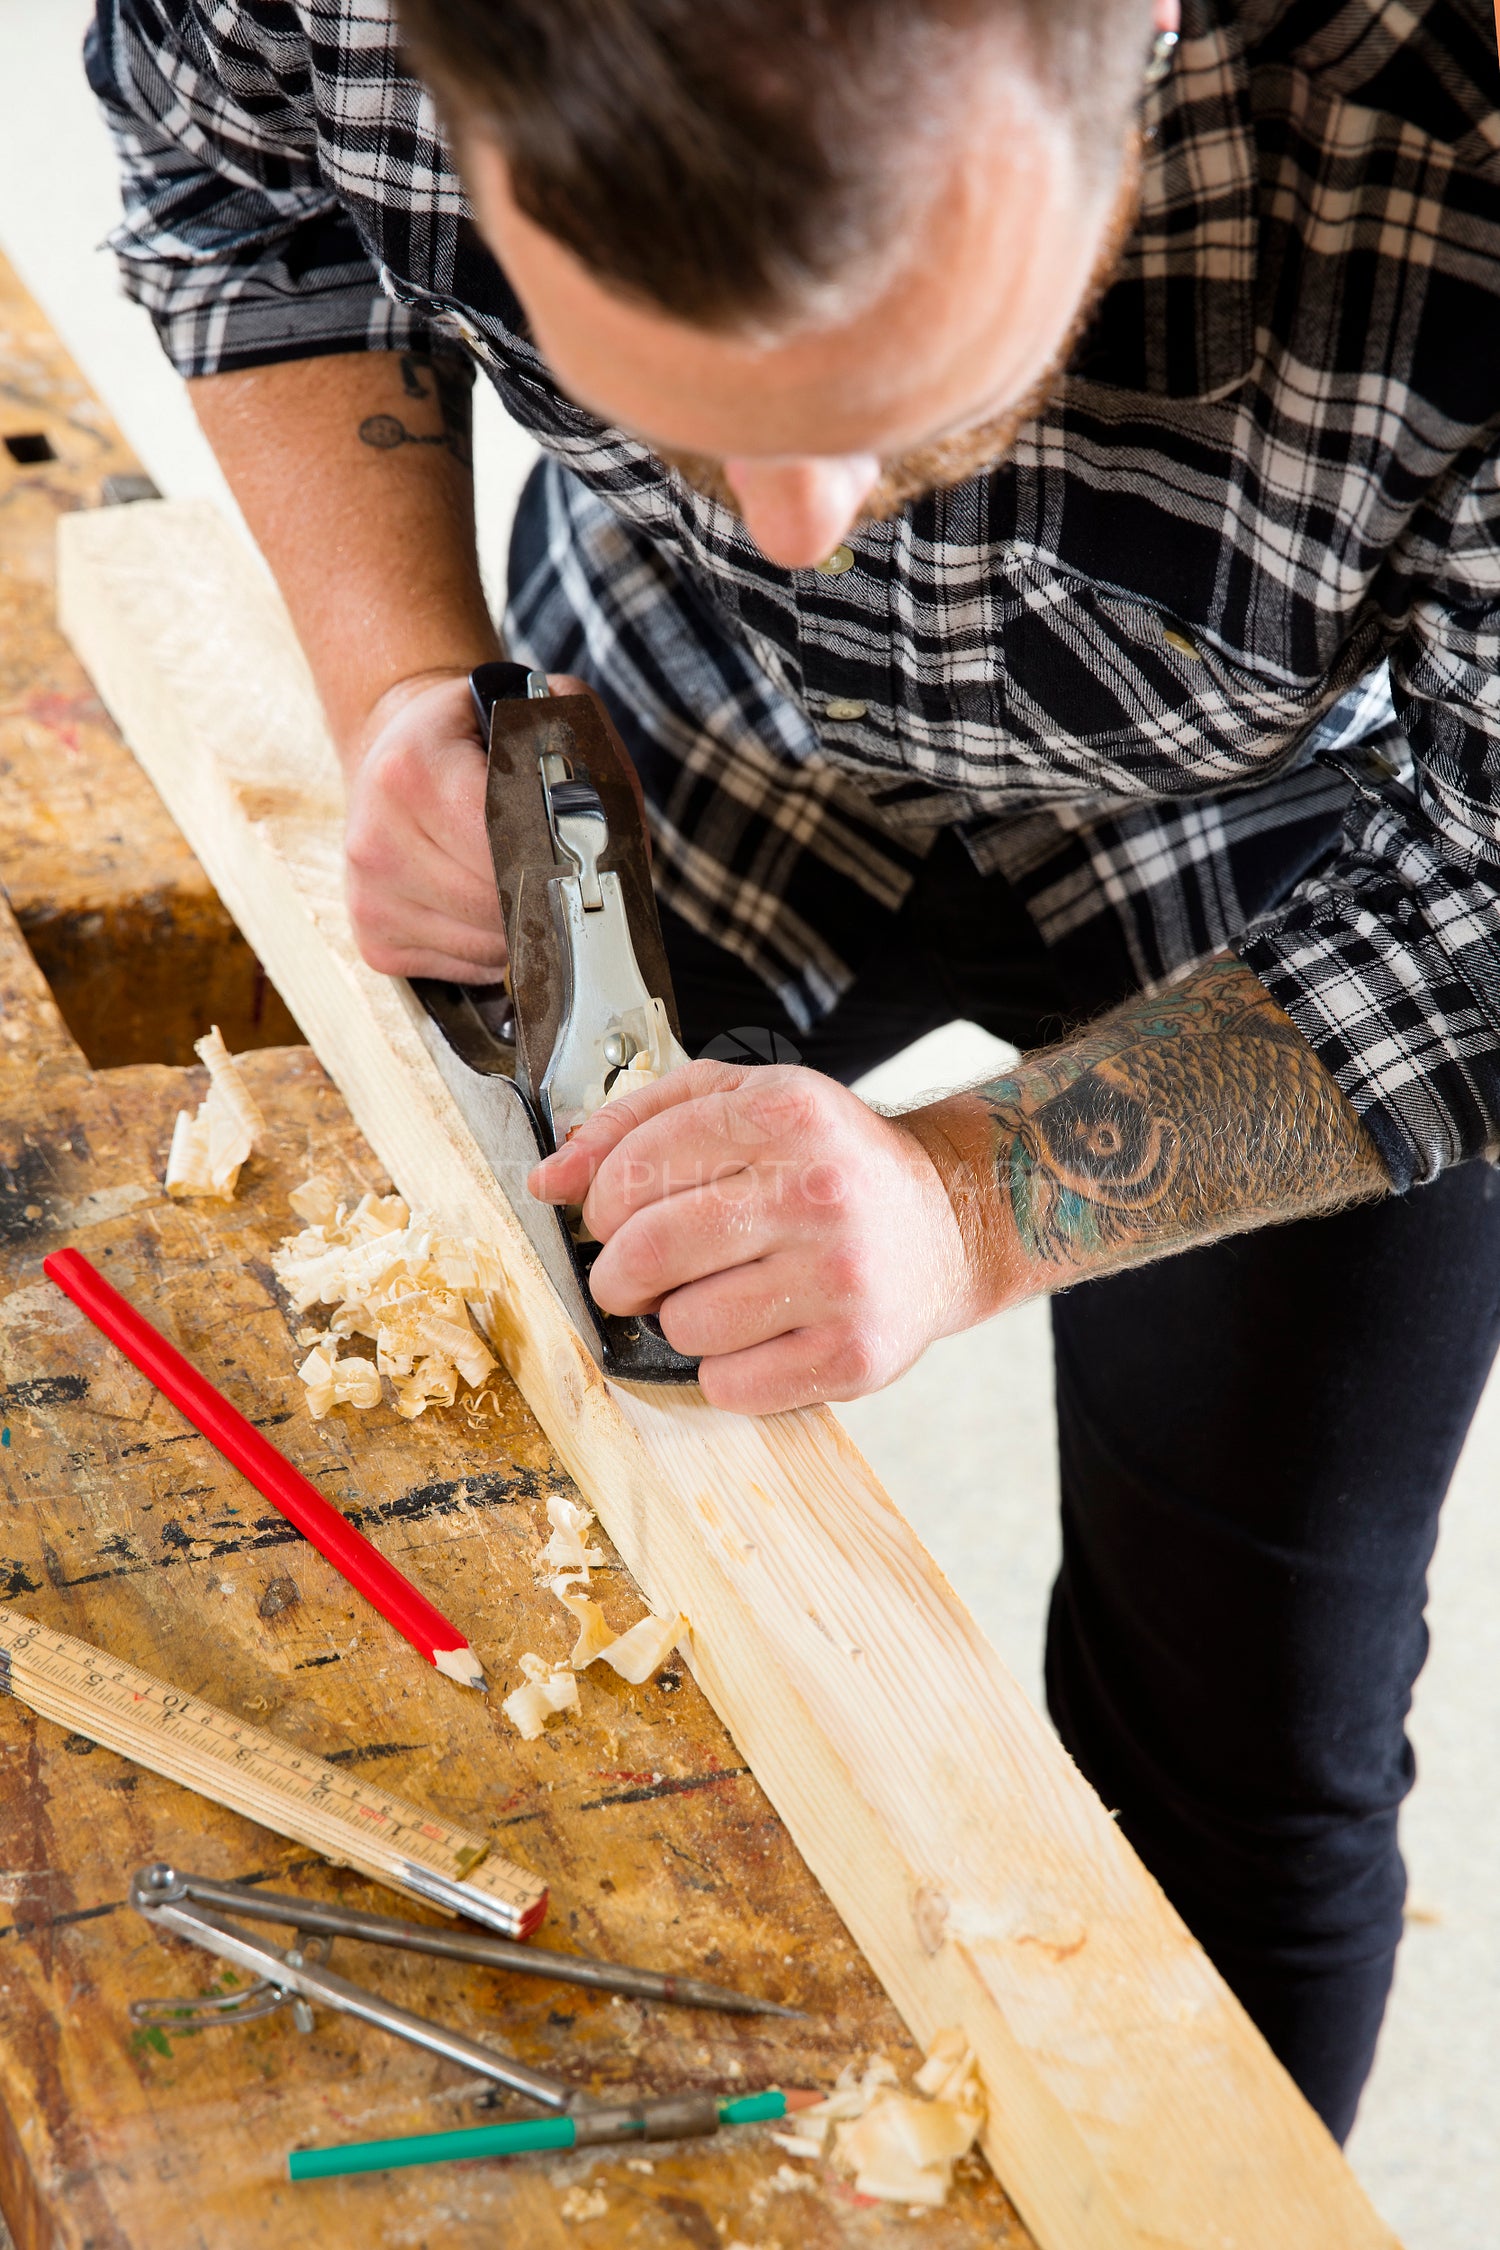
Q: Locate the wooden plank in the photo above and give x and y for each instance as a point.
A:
(125, 924)
(121, 1526)
(1132, 2103)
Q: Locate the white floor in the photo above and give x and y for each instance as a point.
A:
(1428, 2139)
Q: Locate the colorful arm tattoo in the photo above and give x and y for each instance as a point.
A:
(1197, 1113)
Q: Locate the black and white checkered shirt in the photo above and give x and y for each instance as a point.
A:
(1213, 660)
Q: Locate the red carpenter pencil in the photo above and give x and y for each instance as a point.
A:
(271, 1473)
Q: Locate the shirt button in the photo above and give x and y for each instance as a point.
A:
(834, 565)
(1179, 640)
(846, 707)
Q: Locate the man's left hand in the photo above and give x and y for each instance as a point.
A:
(802, 1245)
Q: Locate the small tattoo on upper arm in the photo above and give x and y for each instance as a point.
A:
(386, 431)
(422, 379)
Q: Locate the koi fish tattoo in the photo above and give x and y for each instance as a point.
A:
(1196, 1113)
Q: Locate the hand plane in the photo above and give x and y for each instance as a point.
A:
(589, 994)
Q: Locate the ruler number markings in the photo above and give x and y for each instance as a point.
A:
(139, 1705)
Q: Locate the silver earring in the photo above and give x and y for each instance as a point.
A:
(1163, 54)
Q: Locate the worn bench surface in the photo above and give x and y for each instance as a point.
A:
(136, 946)
(122, 1526)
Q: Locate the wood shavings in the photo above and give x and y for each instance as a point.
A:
(808, 2145)
(338, 1382)
(546, 1689)
(950, 2073)
(594, 1636)
(653, 1049)
(416, 1293)
(316, 1201)
(902, 2147)
(210, 1144)
(632, 1080)
(583, 2203)
(565, 1550)
(644, 1649)
(481, 1406)
(427, 1380)
(854, 2090)
(634, 1654)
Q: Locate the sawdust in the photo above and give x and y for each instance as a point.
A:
(583, 2203)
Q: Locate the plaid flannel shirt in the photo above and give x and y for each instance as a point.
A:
(1213, 660)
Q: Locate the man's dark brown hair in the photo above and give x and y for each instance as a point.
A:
(731, 160)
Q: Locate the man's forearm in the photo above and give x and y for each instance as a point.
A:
(1174, 1120)
(354, 473)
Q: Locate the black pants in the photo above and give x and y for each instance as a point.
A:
(1255, 1442)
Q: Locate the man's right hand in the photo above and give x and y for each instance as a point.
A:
(353, 473)
(421, 885)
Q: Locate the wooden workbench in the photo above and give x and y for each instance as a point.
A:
(119, 1524)
(129, 933)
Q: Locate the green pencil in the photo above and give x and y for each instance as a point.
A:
(529, 2133)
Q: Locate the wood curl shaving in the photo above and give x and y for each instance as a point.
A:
(210, 1144)
(644, 1649)
(594, 1636)
(545, 1689)
(481, 1406)
(656, 1053)
(633, 1079)
(338, 1382)
(901, 2147)
(565, 1550)
(635, 1654)
(421, 1296)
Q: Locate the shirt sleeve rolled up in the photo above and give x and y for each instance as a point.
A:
(1388, 958)
(230, 236)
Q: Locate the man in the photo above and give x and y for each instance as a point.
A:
(1030, 500)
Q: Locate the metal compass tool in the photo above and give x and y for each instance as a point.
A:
(298, 1977)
